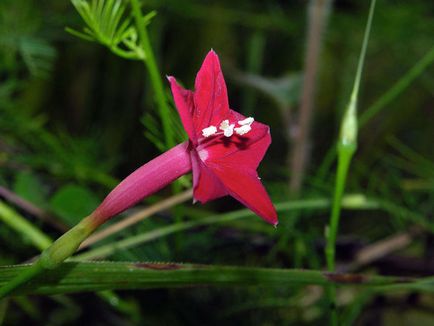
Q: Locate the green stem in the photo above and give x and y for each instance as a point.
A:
(154, 74)
(345, 153)
(54, 255)
(347, 145)
(344, 159)
(128, 55)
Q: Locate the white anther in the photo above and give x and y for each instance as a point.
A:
(228, 129)
(224, 125)
(246, 122)
(243, 130)
(211, 130)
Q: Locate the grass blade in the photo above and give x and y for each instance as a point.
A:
(350, 202)
(397, 88)
(91, 276)
(10, 217)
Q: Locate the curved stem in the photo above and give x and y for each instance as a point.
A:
(154, 74)
(54, 255)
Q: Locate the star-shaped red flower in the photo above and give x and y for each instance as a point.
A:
(225, 147)
(224, 151)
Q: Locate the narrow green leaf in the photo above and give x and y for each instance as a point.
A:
(29, 232)
(78, 34)
(83, 277)
(398, 87)
(349, 202)
(115, 18)
(84, 11)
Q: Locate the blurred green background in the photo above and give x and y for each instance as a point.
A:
(75, 119)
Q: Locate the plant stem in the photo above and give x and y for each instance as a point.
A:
(345, 154)
(154, 74)
(347, 145)
(344, 160)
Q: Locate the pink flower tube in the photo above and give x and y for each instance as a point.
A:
(145, 181)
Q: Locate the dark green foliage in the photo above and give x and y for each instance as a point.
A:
(72, 202)
(76, 117)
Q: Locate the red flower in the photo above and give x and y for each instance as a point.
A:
(225, 162)
(224, 151)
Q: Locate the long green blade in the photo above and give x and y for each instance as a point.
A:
(92, 276)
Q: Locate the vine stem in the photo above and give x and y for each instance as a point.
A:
(347, 145)
(345, 156)
(154, 74)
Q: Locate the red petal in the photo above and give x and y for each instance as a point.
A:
(185, 105)
(205, 184)
(244, 151)
(210, 95)
(244, 185)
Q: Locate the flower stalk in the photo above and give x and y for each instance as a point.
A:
(346, 148)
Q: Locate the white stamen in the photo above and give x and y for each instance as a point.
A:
(243, 130)
(224, 125)
(246, 122)
(228, 129)
(211, 130)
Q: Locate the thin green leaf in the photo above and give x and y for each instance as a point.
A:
(23, 227)
(83, 277)
(402, 84)
(78, 34)
(349, 202)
